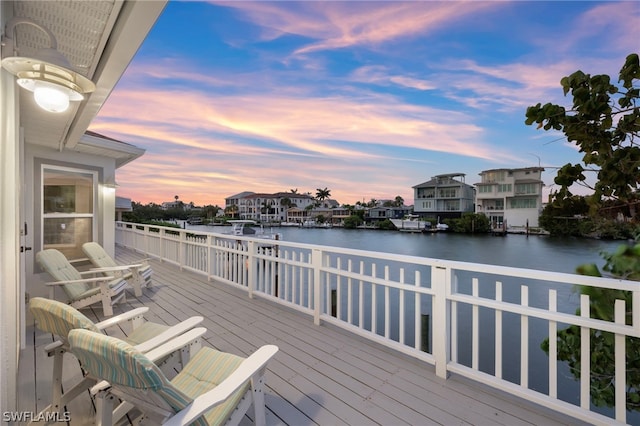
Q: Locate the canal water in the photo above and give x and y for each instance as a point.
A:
(520, 251)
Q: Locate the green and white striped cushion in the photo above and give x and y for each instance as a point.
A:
(119, 363)
(58, 318)
(116, 361)
(207, 369)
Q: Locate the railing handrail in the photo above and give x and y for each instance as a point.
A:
(308, 277)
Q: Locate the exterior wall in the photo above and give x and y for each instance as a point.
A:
(250, 205)
(444, 197)
(511, 195)
(35, 156)
(11, 277)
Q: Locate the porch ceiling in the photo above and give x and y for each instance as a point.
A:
(100, 39)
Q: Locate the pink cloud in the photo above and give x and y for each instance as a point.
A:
(344, 24)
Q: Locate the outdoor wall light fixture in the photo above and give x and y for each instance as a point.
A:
(49, 76)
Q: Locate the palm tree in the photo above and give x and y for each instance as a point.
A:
(399, 201)
(232, 210)
(294, 191)
(323, 194)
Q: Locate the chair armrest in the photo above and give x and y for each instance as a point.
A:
(109, 268)
(83, 280)
(119, 319)
(249, 367)
(169, 334)
(173, 345)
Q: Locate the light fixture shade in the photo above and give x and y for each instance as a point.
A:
(49, 75)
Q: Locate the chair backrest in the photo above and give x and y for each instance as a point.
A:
(57, 265)
(58, 318)
(98, 255)
(119, 363)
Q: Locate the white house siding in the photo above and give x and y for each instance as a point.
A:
(501, 197)
(11, 302)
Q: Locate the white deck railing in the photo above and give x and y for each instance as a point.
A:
(480, 321)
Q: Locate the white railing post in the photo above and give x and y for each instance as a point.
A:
(316, 263)
(441, 285)
(162, 234)
(251, 284)
(181, 250)
(146, 240)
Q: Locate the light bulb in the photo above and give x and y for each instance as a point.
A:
(51, 97)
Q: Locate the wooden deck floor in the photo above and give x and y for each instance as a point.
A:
(322, 375)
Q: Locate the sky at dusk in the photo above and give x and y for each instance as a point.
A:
(364, 98)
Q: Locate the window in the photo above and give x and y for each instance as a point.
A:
(495, 176)
(68, 209)
(447, 193)
(485, 188)
(523, 203)
(526, 188)
(505, 187)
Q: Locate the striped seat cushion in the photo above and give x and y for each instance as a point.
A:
(115, 360)
(144, 332)
(58, 318)
(207, 369)
(119, 363)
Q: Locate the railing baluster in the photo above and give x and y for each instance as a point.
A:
(374, 302)
(361, 297)
(339, 289)
(349, 293)
(585, 355)
(620, 365)
(387, 305)
(401, 313)
(417, 320)
(553, 346)
(499, 336)
(475, 338)
(524, 340)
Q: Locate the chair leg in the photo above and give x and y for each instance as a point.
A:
(56, 391)
(107, 309)
(59, 399)
(257, 389)
(104, 408)
(136, 282)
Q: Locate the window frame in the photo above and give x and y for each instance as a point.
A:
(93, 215)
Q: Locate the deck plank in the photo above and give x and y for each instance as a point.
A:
(322, 375)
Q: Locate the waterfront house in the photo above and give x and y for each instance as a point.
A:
(443, 196)
(379, 213)
(266, 207)
(57, 181)
(511, 196)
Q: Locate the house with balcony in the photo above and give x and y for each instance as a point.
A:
(443, 196)
(266, 207)
(510, 197)
(379, 213)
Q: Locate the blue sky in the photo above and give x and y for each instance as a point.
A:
(364, 98)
